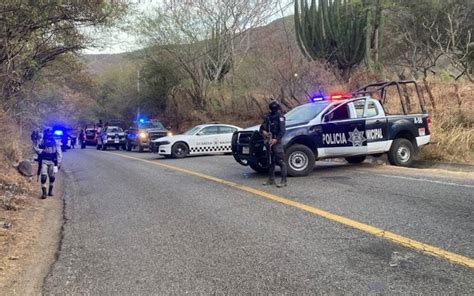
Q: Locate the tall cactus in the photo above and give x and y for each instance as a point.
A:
(219, 56)
(334, 30)
(374, 36)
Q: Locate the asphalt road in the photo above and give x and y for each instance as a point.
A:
(136, 228)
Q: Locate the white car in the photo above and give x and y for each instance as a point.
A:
(200, 140)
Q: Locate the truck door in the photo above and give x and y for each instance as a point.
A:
(343, 134)
(375, 127)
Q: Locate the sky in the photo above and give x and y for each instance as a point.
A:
(118, 41)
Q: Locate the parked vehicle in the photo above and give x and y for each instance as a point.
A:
(351, 126)
(111, 136)
(142, 132)
(91, 134)
(205, 139)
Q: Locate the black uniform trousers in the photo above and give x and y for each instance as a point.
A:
(278, 158)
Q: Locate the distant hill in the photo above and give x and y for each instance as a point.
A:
(262, 39)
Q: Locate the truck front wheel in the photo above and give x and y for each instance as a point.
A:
(258, 168)
(401, 153)
(300, 160)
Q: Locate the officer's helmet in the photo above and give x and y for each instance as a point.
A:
(274, 106)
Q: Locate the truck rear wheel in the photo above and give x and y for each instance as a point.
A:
(258, 168)
(300, 160)
(401, 153)
(355, 159)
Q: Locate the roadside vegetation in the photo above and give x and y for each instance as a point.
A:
(221, 61)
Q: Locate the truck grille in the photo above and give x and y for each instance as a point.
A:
(244, 137)
(156, 135)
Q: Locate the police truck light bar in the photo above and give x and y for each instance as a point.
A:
(331, 97)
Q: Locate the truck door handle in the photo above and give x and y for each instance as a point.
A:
(378, 121)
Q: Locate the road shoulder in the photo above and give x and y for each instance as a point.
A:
(31, 244)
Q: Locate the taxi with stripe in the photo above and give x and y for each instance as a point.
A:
(204, 139)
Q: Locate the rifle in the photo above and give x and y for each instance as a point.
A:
(268, 142)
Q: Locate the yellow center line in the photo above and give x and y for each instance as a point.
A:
(399, 239)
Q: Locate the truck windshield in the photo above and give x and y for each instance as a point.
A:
(306, 112)
(152, 124)
(114, 129)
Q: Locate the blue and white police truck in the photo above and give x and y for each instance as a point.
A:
(350, 126)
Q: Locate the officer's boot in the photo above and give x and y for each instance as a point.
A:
(270, 181)
(44, 193)
(271, 176)
(284, 173)
(282, 183)
(50, 191)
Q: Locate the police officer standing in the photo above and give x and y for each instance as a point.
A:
(49, 160)
(273, 129)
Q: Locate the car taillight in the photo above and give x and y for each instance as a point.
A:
(428, 122)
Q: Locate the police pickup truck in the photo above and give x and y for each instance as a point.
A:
(142, 132)
(348, 126)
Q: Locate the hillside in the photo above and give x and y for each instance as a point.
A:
(262, 39)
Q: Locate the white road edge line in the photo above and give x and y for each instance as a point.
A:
(427, 180)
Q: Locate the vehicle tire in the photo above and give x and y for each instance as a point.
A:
(179, 150)
(124, 147)
(401, 152)
(117, 147)
(258, 168)
(356, 159)
(140, 148)
(300, 160)
(129, 147)
(104, 147)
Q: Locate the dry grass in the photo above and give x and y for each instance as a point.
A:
(452, 126)
(12, 150)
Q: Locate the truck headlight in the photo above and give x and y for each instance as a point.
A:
(143, 135)
(169, 134)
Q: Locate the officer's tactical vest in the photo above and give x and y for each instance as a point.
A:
(49, 149)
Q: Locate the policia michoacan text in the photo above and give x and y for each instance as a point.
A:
(273, 129)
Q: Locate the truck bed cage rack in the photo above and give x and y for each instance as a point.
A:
(380, 87)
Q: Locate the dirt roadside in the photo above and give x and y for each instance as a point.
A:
(29, 247)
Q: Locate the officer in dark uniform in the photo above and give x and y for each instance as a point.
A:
(273, 129)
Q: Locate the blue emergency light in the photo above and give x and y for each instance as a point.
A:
(58, 133)
(141, 120)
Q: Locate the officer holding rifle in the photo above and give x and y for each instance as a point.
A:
(273, 129)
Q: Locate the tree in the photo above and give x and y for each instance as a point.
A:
(35, 33)
(333, 30)
(206, 39)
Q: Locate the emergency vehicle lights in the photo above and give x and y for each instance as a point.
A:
(317, 99)
(58, 132)
(338, 96)
(142, 120)
(332, 97)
